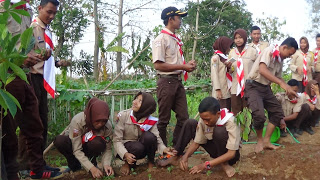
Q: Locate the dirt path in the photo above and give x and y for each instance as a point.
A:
(291, 161)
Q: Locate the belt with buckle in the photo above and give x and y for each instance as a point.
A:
(172, 76)
(255, 82)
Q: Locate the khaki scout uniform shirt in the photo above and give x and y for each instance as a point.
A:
(306, 98)
(78, 123)
(297, 61)
(316, 64)
(126, 131)
(166, 49)
(274, 66)
(219, 78)
(15, 28)
(38, 34)
(288, 107)
(248, 58)
(262, 45)
(205, 133)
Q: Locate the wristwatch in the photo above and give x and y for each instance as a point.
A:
(208, 166)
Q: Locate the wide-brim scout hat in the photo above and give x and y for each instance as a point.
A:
(172, 11)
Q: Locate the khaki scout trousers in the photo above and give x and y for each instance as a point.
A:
(171, 96)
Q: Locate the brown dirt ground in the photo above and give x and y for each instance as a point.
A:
(291, 161)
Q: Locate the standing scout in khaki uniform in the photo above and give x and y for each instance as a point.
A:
(216, 132)
(267, 69)
(302, 64)
(136, 134)
(316, 52)
(28, 119)
(220, 77)
(89, 136)
(256, 43)
(244, 57)
(296, 111)
(171, 67)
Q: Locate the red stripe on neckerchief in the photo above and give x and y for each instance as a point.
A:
(228, 75)
(179, 42)
(294, 101)
(25, 6)
(305, 77)
(316, 55)
(313, 100)
(240, 72)
(49, 77)
(146, 125)
(225, 115)
(276, 54)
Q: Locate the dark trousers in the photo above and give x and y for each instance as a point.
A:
(171, 96)
(91, 149)
(302, 117)
(145, 146)
(237, 103)
(215, 147)
(261, 97)
(314, 118)
(225, 103)
(30, 127)
(300, 86)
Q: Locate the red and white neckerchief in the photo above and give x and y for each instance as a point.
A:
(179, 42)
(313, 100)
(305, 77)
(240, 72)
(256, 46)
(49, 76)
(89, 136)
(224, 117)
(276, 53)
(146, 125)
(25, 6)
(316, 55)
(228, 75)
(294, 101)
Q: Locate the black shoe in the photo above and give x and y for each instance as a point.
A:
(283, 133)
(309, 130)
(299, 131)
(45, 174)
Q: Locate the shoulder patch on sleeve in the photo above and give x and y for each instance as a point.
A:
(157, 44)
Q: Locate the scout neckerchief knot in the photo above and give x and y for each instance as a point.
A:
(224, 117)
(179, 42)
(89, 136)
(49, 79)
(305, 77)
(146, 125)
(240, 72)
(316, 55)
(25, 6)
(257, 48)
(313, 100)
(276, 54)
(229, 77)
(293, 101)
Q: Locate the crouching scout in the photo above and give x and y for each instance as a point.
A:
(136, 135)
(90, 136)
(216, 132)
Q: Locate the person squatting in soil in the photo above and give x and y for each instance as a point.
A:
(136, 134)
(266, 69)
(216, 131)
(89, 136)
(296, 111)
(168, 60)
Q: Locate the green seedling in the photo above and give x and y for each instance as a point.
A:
(133, 172)
(170, 168)
(149, 176)
(209, 173)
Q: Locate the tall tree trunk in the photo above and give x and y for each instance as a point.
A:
(96, 41)
(196, 31)
(120, 28)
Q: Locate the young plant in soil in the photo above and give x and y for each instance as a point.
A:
(170, 168)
